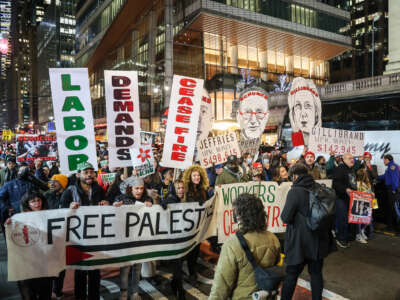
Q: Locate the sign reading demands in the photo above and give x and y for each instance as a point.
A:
(250, 146)
(360, 209)
(73, 116)
(123, 116)
(327, 140)
(31, 147)
(183, 117)
(94, 237)
(216, 149)
(143, 160)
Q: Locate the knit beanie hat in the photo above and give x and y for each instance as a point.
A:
(132, 181)
(62, 179)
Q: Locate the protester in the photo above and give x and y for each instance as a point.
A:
(363, 185)
(334, 161)
(10, 171)
(39, 172)
(53, 168)
(231, 173)
(114, 190)
(196, 185)
(391, 179)
(309, 158)
(133, 192)
(85, 192)
(234, 276)
(303, 246)
(281, 175)
(320, 164)
(344, 182)
(35, 288)
(372, 170)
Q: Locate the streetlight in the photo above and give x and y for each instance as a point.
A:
(376, 18)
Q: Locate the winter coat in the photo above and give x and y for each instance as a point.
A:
(3, 175)
(97, 195)
(344, 178)
(129, 199)
(53, 199)
(227, 177)
(300, 242)
(10, 195)
(234, 276)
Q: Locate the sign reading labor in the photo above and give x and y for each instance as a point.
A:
(327, 140)
(216, 149)
(272, 195)
(143, 160)
(123, 116)
(250, 146)
(304, 108)
(183, 118)
(73, 116)
(31, 147)
(253, 112)
(360, 209)
(206, 116)
(44, 243)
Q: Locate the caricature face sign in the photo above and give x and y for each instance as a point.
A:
(304, 105)
(206, 118)
(253, 113)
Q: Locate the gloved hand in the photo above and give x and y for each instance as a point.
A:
(164, 205)
(201, 202)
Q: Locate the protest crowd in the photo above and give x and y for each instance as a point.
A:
(28, 186)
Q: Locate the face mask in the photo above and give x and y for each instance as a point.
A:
(249, 160)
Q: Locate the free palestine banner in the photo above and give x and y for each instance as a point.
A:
(72, 108)
(41, 244)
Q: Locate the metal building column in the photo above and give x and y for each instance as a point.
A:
(169, 50)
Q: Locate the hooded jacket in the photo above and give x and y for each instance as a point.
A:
(11, 193)
(228, 177)
(97, 194)
(300, 242)
(234, 276)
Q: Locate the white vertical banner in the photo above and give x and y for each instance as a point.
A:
(123, 116)
(73, 117)
(182, 123)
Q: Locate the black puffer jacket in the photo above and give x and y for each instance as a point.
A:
(300, 242)
(76, 191)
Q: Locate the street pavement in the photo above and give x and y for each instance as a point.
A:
(367, 272)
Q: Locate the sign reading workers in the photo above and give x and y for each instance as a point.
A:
(182, 123)
(327, 140)
(73, 116)
(216, 149)
(123, 116)
(272, 195)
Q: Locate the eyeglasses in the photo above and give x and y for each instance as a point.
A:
(248, 114)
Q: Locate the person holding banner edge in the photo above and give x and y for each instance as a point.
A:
(85, 192)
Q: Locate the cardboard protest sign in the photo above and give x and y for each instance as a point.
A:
(73, 116)
(31, 147)
(327, 140)
(216, 149)
(147, 138)
(103, 163)
(250, 146)
(183, 117)
(360, 209)
(253, 112)
(304, 109)
(143, 160)
(95, 237)
(107, 178)
(206, 117)
(123, 116)
(272, 195)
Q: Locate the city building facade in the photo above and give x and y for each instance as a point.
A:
(369, 32)
(55, 49)
(224, 42)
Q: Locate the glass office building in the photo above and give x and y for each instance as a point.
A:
(221, 41)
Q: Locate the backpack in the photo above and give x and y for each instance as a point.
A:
(267, 279)
(322, 201)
